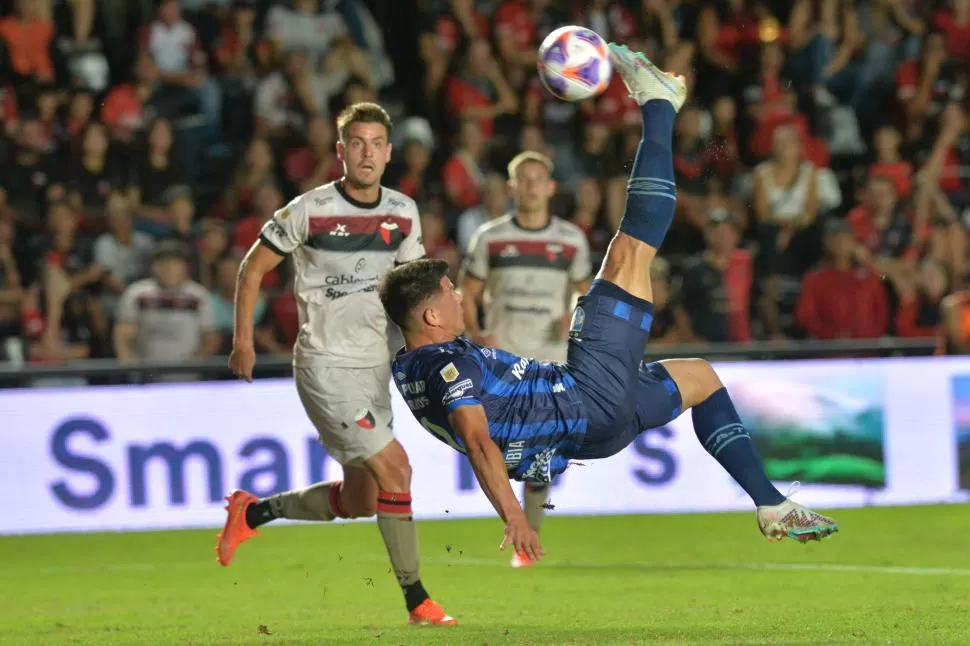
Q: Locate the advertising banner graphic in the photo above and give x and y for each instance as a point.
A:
(961, 427)
(824, 430)
(873, 432)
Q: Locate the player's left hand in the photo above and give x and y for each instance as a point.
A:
(523, 539)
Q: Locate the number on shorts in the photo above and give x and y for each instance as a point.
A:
(440, 432)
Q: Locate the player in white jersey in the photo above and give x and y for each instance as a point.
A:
(525, 268)
(341, 236)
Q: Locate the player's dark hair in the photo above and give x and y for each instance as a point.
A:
(362, 113)
(405, 288)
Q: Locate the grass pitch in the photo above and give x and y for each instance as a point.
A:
(896, 575)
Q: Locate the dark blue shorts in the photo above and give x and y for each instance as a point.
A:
(622, 395)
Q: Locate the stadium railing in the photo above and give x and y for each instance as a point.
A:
(111, 371)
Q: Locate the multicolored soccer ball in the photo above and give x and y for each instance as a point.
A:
(574, 63)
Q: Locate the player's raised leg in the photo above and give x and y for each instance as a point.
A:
(535, 497)
(667, 388)
(651, 192)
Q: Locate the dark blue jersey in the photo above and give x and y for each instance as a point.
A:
(535, 413)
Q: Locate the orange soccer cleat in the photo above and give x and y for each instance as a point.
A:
(236, 531)
(430, 613)
(521, 559)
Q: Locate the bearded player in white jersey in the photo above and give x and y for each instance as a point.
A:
(525, 268)
(341, 236)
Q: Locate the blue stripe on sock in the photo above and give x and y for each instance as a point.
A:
(669, 196)
(622, 311)
(636, 181)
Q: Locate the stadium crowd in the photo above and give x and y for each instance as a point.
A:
(822, 161)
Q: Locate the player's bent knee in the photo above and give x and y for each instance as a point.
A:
(391, 468)
(695, 378)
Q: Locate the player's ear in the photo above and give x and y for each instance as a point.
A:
(510, 188)
(430, 317)
(552, 187)
(340, 150)
(390, 148)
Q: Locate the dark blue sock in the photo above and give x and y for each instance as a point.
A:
(721, 433)
(651, 192)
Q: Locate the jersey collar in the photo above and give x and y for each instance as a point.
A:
(357, 203)
(518, 225)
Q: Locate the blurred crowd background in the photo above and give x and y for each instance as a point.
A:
(823, 159)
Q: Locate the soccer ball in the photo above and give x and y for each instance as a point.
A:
(574, 63)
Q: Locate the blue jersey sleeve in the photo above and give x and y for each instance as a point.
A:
(456, 384)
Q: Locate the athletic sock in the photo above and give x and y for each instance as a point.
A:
(319, 502)
(400, 534)
(720, 431)
(535, 498)
(652, 193)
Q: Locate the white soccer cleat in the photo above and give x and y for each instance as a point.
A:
(791, 520)
(646, 81)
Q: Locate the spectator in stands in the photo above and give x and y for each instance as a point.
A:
(179, 219)
(889, 160)
(303, 27)
(32, 178)
(717, 284)
(954, 22)
(212, 247)
(415, 181)
(155, 172)
(80, 113)
(955, 312)
(178, 54)
(786, 205)
(479, 91)
(28, 35)
(59, 327)
(882, 231)
(11, 288)
(925, 84)
(167, 317)
(266, 201)
(494, 204)
(671, 324)
(434, 232)
(288, 97)
(920, 300)
(841, 300)
(93, 174)
(256, 168)
(223, 296)
(315, 163)
(588, 216)
(123, 254)
(690, 169)
(462, 175)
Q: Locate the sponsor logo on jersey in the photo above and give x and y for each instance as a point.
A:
(553, 251)
(457, 391)
(509, 251)
(387, 230)
(364, 419)
(360, 266)
(541, 468)
(322, 201)
(340, 230)
(576, 325)
(487, 352)
(396, 202)
(449, 373)
(559, 388)
(519, 369)
(413, 388)
(274, 228)
(400, 376)
(514, 454)
(285, 213)
(418, 403)
(347, 279)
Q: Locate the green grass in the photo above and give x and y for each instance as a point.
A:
(692, 579)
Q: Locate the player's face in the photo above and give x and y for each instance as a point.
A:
(451, 317)
(532, 187)
(365, 153)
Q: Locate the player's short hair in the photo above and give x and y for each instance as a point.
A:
(405, 288)
(527, 157)
(362, 113)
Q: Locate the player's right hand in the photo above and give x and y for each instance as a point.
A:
(242, 361)
(523, 539)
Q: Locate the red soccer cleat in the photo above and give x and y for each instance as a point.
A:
(430, 613)
(236, 531)
(521, 560)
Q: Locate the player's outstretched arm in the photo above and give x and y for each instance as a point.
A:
(489, 466)
(259, 261)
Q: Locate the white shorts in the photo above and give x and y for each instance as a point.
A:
(350, 408)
